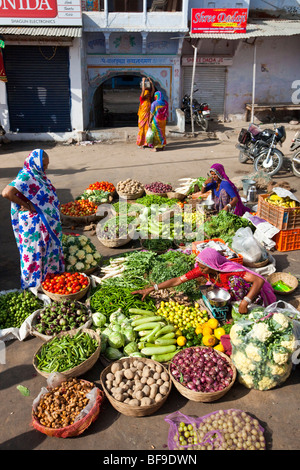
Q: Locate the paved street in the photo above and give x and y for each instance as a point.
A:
(72, 168)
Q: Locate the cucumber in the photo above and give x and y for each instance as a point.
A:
(149, 351)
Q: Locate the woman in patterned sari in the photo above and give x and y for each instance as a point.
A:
(35, 220)
(158, 119)
(144, 113)
(224, 193)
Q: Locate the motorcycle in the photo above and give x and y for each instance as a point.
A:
(201, 112)
(259, 146)
(295, 148)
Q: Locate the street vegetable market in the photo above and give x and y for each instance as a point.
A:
(152, 338)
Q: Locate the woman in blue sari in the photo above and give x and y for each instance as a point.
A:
(35, 220)
(158, 119)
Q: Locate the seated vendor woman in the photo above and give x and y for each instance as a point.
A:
(244, 285)
(224, 193)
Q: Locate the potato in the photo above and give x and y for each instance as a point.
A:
(139, 394)
(144, 380)
(129, 374)
(134, 402)
(146, 390)
(119, 397)
(150, 381)
(146, 371)
(146, 401)
(108, 384)
(159, 382)
(126, 365)
(140, 365)
(164, 376)
(156, 375)
(127, 400)
(110, 376)
(116, 366)
(163, 390)
(158, 397)
(159, 368)
(138, 386)
(153, 390)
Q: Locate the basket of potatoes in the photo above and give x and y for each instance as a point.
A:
(136, 386)
(130, 189)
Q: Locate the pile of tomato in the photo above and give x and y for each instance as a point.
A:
(65, 283)
(79, 208)
(102, 186)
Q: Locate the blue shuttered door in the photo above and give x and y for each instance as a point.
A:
(38, 88)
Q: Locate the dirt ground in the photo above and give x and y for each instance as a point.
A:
(72, 168)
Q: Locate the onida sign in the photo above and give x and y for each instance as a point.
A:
(40, 12)
(219, 20)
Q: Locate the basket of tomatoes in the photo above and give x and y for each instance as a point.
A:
(66, 285)
(79, 211)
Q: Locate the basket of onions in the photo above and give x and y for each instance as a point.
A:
(202, 373)
(157, 189)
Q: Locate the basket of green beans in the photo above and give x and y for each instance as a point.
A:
(71, 353)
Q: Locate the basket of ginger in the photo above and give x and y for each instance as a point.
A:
(68, 409)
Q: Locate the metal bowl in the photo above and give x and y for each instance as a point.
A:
(218, 297)
(208, 205)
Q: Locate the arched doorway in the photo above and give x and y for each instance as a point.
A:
(116, 100)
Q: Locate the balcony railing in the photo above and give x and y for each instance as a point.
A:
(149, 18)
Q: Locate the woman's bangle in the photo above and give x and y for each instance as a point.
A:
(156, 287)
(229, 205)
(248, 300)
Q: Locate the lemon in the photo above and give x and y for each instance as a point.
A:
(198, 329)
(218, 332)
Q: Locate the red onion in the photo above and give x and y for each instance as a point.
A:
(201, 369)
(158, 187)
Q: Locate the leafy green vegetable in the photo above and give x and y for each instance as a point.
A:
(224, 225)
(24, 390)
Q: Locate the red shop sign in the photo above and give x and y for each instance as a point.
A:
(28, 8)
(218, 20)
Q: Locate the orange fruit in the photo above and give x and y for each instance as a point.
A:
(209, 340)
(213, 323)
(207, 330)
(218, 332)
(198, 329)
(219, 347)
(181, 340)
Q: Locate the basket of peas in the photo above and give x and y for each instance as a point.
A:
(16, 309)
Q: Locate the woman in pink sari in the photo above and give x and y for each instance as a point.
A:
(243, 284)
(144, 113)
(224, 193)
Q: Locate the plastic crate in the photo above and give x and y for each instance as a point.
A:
(287, 240)
(238, 259)
(219, 313)
(283, 218)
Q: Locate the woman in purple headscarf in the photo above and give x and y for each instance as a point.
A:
(224, 193)
(244, 285)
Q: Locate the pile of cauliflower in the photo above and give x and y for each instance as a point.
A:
(262, 348)
(80, 253)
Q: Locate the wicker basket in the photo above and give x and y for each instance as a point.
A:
(84, 220)
(174, 195)
(81, 368)
(77, 296)
(115, 242)
(260, 264)
(289, 279)
(125, 408)
(202, 396)
(150, 193)
(131, 196)
(76, 428)
(35, 332)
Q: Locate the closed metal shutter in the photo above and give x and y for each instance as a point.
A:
(38, 88)
(210, 83)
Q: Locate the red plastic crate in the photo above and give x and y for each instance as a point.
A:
(287, 240)
(239, 258)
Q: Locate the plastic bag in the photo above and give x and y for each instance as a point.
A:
(245, 244)
(7, 334)
(263, 343)
(215, 438)
(149, 136)
(291, 312)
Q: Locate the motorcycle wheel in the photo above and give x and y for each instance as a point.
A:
(296, 164)
(277, 162)
(243, 158)
(202, 123)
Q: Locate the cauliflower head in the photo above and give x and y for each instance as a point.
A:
(234, 334)
(261, 332)
(253, 352)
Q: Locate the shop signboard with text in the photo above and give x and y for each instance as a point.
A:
(218, 20)
(40, 12)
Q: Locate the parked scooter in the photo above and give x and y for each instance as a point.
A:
(259, 146)
(295, 148)
(201, 112)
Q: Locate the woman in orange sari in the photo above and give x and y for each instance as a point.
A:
(144, 113)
